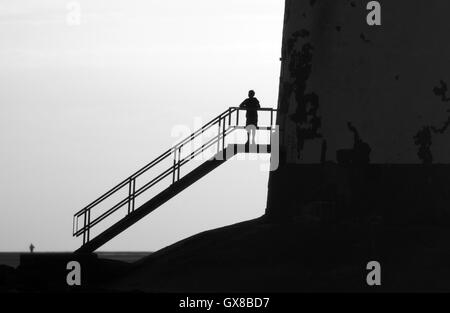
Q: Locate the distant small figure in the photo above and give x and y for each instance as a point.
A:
(31, 248)
(252, 106)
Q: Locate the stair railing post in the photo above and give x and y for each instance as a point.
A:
(224, 135)
(133, 194)
(89, 225)
(174, 165)
(271, 118)
(218, 136)
(270, 137)
(179, 161)
(129, 194)
(84, 227)
(73, 224)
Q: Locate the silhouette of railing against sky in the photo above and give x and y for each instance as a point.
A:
(225, 123)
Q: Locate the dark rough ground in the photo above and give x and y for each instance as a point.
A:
(300, 255)
(46, 272)
(303, 254)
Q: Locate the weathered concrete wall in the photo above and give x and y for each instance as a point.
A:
(397, 194)
(357, 101)
(388, 81)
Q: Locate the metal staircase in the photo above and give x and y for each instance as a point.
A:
(129, 201)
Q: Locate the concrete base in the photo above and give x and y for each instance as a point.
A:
(397, 194)
(45, 272)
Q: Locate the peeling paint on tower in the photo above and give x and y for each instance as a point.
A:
(338, 71)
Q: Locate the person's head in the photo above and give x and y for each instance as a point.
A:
(251, 94)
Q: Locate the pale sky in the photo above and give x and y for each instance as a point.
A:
(83, 106)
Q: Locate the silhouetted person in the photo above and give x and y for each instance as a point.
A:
(31, 248)
(252, 106)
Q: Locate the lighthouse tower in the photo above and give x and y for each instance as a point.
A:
(364, 109)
